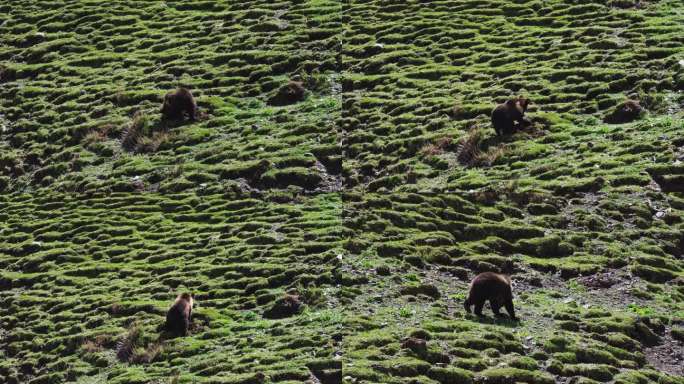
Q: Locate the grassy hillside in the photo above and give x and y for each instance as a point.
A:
(375, 200)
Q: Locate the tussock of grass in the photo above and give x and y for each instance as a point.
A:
(470, 152)
(139, 135)
(126, 347)
(136, 346)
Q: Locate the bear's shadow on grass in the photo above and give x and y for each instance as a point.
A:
(494, 320)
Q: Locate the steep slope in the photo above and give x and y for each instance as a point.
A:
(585, 216)
(374, 200)
(108, 212)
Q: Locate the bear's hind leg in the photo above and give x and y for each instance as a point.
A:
(509, 308)
(478, 307)
(494, 303)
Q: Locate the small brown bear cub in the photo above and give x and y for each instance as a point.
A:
(625, 112)
(179, 315)
(508, 117)
(415, 344)
(177, 103)
(494, 287)
(290, 93)
(286, 306)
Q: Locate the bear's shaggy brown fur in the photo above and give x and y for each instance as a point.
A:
(625, 112)
(290, 93)
(508, 117)
(415, 344)
(286, 306)
(7, 74)
(179, 315)
(494, 287)
(177, 103)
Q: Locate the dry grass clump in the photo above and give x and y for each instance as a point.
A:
(97, 135)
(470, 153)
(135, 129)
(139, 136)
(150, 144)
(95, 345)
(470, 150)
(132, 348)
(437, 148)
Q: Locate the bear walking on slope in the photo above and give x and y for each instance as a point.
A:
(179, 315)
(508, 117)
(494, 287)
(177, 103)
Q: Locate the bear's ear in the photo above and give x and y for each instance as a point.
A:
(525, 102)
(511, 102)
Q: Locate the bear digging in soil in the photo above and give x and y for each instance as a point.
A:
(506, 115)
(177, 103)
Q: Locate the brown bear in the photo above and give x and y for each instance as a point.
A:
(415, 344)
(508, 117)
(179, 315)
(177, 103)
(290, 93)
(494, 287)
(625, 112)
(286, 306)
